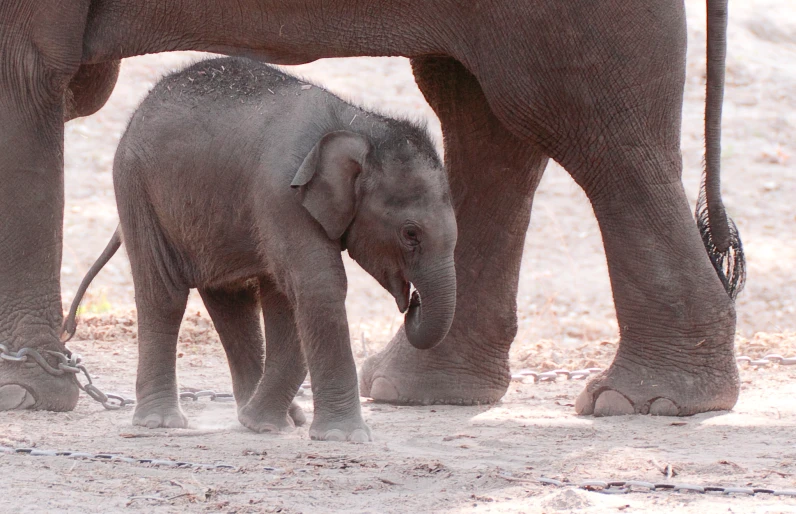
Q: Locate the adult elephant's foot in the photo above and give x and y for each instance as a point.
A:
(636, 387)
(23, 387)
(448, 374)
(159, 414)
(351, 429)
(265, 421)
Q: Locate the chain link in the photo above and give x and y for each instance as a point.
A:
(69, 362)
(772, 358)
(632, 486)
(601, 486)
(580, 374)
(111, 458)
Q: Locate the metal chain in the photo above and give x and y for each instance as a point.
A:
(634, 486)
(69, 362)
(601, 486)
(768, 359)
(580, 374)
(112, 458)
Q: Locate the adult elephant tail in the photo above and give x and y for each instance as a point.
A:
(719, 233)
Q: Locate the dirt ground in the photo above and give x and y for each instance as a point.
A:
(449, 459)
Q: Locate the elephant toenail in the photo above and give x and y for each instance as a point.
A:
(297, 415)
(612, 403)
(334, 435)
(13, 396)
(584, 405)
(359, 436)
(383, 390)
(664, 407)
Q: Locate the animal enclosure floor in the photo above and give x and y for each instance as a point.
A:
(449, 459)
(424, 459)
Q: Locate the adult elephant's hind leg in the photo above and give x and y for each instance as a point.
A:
(675, 355)
(676, 321)
(493, 176)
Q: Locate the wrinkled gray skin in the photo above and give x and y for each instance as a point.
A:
(596, 85)
(245, 183)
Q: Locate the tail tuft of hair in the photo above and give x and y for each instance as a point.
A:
(730, 264)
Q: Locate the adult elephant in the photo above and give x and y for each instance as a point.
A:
(596, 85)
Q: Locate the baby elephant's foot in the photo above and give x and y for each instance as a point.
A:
(354, 430)
(261, 420)
(159, 416)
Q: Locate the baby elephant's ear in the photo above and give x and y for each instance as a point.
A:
(327, 178)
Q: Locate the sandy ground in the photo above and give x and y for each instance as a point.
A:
(424, 459)
(444, 458)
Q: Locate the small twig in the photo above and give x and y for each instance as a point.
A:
(181, 486)
(155, 498)
(178, 496)
(276, 488)
(521, 480)
(180, 433)
(775, 472)
(388, 482)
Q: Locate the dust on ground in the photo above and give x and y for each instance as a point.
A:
(423, 459)
(450, 459)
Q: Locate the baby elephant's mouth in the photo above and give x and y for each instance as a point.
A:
(403, 298)
(405, 294)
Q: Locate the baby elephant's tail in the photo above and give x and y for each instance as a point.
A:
(70, 324)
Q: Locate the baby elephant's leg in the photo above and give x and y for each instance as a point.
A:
(236, 316)
(271, 408)
(323, 329)
(160, 310)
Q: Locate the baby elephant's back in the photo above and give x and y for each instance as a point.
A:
(193, 155)
(211, 121)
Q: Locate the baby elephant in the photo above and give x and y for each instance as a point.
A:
(247, 183)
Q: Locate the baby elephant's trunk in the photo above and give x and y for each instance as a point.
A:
(432, 306)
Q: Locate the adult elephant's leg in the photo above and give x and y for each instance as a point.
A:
(40, 49)
(617, 132)
(675, 355)
(493, 176)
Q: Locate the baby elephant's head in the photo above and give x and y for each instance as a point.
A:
(389, 202)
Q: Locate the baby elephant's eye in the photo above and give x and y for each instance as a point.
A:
(411, 235)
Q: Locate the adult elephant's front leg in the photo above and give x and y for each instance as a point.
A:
(31, 210)
(493, 176)
(36, 64)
